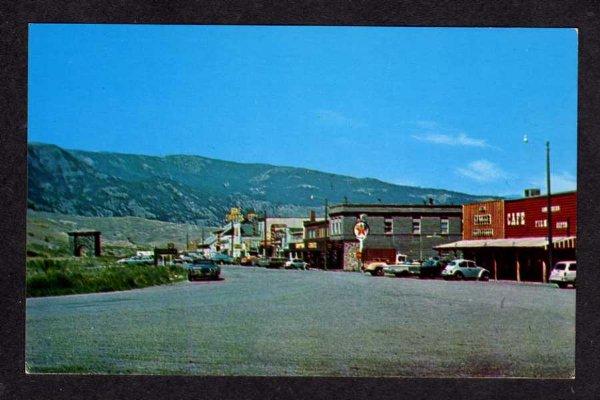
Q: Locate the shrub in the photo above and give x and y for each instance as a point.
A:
(69, 276)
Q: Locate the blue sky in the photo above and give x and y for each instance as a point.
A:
(431, 107)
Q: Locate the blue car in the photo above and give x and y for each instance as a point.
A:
(221, 258)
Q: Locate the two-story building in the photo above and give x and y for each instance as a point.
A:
(510, 237)
(412, 230)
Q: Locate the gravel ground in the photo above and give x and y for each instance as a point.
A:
(308, 323)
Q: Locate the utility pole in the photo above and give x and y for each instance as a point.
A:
(265, 235)
(550, 244)
(326, 234)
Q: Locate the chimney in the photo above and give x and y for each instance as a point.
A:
(532, 192)
(312, 216)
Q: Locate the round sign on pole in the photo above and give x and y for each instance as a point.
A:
(361, 230)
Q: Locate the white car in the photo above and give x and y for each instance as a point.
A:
(296, 263)
(465, 269)
(564, 273)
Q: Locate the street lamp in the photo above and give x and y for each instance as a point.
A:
(549, 203)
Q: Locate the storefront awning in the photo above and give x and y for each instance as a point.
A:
(561, 242)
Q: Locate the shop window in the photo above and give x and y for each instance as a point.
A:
(444, 226)
(388, 226)
(416, 226)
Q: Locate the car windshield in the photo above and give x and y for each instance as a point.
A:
(559, 267)
(429, 263)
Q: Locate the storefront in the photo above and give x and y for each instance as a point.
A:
(516, 247)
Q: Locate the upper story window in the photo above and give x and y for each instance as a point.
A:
(444, 226)
(388, 226)
(416, 226)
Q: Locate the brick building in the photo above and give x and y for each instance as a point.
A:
(512, 241)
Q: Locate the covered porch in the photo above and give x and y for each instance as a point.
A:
(520, 259)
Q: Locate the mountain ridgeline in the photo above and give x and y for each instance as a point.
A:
(200, 190)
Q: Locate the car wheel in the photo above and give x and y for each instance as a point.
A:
(459, 276)
(484, 277)
(561, 285)
(379, 272)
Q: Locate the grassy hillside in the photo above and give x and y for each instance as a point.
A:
(47, 233)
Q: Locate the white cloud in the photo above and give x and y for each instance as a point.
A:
(461, 139)
(482, 171)
(561, 182)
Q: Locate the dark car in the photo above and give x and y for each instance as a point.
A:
(276, 262)
(203, 269)
(262, 262)
(431, 268)
(221, 258)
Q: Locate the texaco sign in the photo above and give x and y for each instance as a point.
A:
(361, 230)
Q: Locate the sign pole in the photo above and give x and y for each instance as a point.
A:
(361, 230)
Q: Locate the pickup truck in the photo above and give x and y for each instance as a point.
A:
(402, 269)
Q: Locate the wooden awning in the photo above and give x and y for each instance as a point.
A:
(561, 242)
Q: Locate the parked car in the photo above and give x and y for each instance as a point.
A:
(402, 269)
(296, 263)
(249, 260)
(465, 269)
(431, 268)
(136, 260)
(276, 262)
(203, 269)
(375, 267)
(564, 273)
(221, 258)
(262, 262)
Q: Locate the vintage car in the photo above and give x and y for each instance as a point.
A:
(564, 273)
(465, 269)
(402, 269)
(249, 260)
(374, 267)
(221, 258)
(276, 262)
(431, 268)
(296, 263)
(203, 269)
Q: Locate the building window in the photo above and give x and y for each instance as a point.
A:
(388, 226)
(444, 226)
(416, 226)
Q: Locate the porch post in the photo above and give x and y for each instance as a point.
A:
(544, 278)
(518, 267)
(495, 264)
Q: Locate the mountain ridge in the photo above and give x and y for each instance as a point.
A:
(197, 189)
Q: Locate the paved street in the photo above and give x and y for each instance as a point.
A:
(278, 322)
